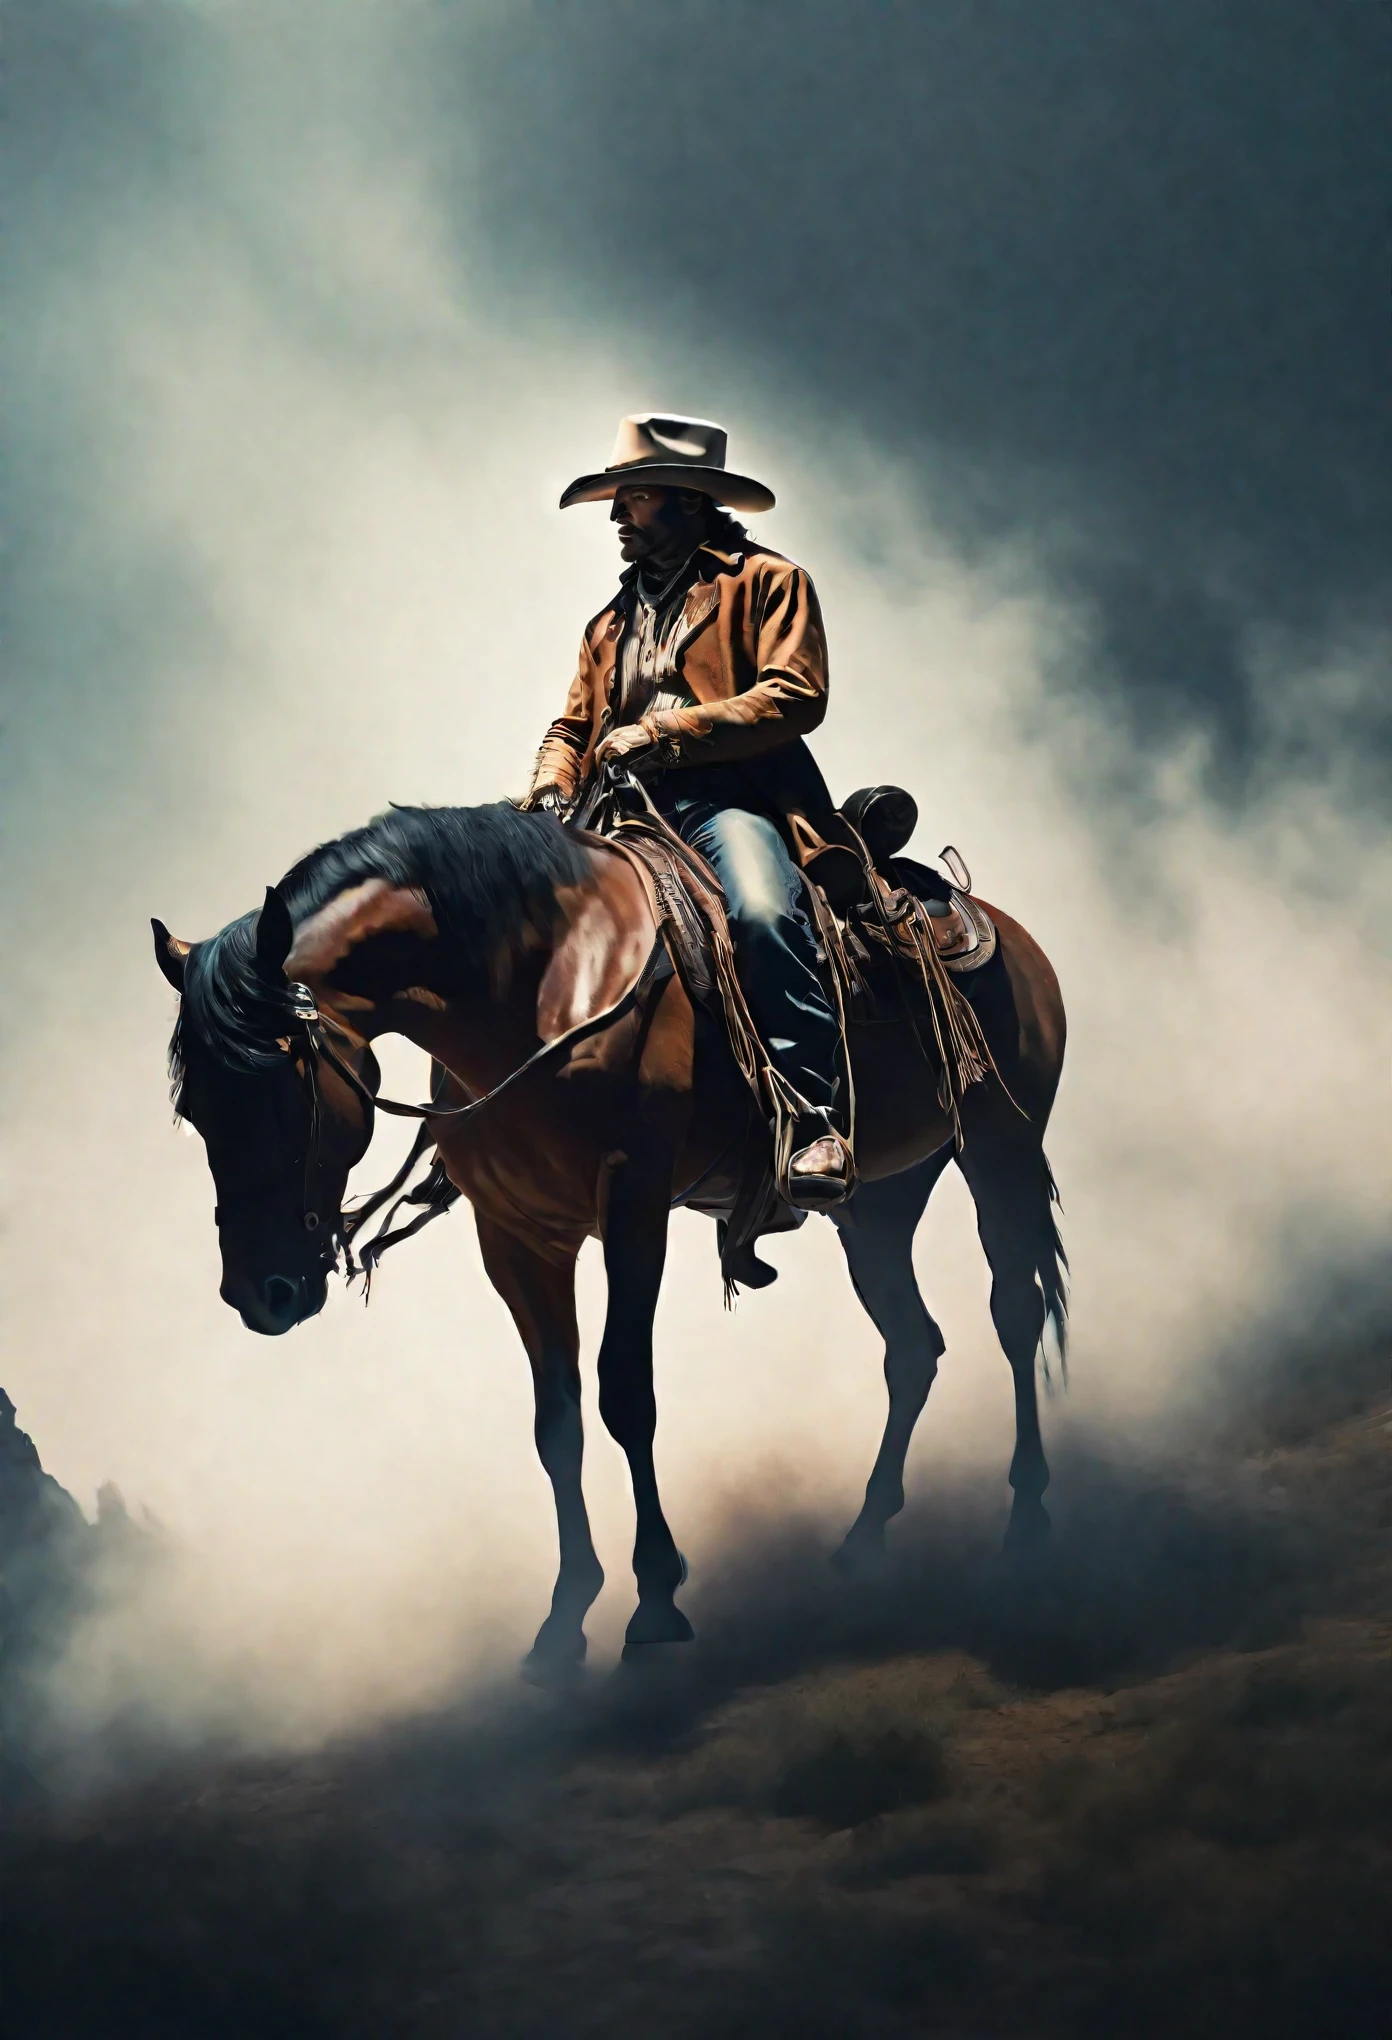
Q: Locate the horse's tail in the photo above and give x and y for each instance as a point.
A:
(1051, 1268)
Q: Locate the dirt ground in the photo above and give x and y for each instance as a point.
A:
(1144, 1788)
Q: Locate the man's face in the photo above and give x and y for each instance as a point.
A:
(657, 524)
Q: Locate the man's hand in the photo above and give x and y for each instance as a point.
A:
(547, 800)
(631, 746)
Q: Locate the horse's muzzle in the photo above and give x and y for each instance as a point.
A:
(277, 1303)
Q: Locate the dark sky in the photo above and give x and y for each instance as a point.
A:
(1116, 273)
(1111, 277)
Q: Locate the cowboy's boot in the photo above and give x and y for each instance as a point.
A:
(822, 1174)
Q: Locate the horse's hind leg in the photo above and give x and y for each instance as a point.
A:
(1011, 1184)
(636, 1200)
(877, 1232)
(541, 1296)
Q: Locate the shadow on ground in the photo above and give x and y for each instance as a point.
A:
(1144, 1788)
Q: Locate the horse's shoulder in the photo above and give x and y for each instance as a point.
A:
(605, 937)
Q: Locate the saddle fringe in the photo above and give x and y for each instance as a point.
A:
(964, 1055)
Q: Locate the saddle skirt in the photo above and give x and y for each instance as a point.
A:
(975, 945)
(962, 932)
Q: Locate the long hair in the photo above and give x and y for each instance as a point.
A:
(722, 529)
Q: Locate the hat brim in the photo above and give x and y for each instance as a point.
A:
(736, 492)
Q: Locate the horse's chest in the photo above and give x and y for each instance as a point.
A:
(541, 1188)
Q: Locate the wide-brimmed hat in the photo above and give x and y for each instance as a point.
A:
(671, 453)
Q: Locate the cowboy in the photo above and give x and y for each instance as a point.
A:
(702, 677)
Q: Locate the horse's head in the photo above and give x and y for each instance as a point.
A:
(282, 1129)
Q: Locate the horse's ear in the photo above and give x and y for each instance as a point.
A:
(171, 955)
(275, 932)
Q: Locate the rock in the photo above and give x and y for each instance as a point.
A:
(46, 1549)
(34, 1510)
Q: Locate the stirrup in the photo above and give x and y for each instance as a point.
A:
(821, 1189)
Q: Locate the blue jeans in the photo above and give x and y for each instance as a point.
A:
(775, 948)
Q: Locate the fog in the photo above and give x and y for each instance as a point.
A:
(288, 444)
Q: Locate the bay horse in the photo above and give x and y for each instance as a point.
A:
(483, 934)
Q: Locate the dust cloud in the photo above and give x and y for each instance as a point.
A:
(292, 453)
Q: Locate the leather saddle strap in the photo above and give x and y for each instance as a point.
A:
(776, 1096)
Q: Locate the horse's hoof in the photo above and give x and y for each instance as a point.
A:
(656, 1622)
(649, 1656)
(860, 1556)
(555, 1660)
(551, 1675)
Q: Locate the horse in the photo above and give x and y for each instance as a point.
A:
(587, 1095)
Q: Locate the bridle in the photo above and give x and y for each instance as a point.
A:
(255, 1191)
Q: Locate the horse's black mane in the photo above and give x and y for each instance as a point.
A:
(486, 871)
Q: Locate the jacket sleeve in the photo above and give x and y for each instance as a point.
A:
(788, 695)
(560, 761)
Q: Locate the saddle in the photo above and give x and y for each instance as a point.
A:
(878, 821)
(895, 936)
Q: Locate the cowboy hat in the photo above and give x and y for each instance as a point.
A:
(671, 453)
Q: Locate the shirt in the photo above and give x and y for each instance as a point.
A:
(648, 675)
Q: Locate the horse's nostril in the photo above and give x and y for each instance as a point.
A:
(281, 1294)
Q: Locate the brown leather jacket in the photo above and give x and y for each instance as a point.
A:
(753, 653)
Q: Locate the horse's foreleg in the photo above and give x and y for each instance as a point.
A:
(1010, 1183)
(541, 1296)
(877, 1232)
(634, 1212)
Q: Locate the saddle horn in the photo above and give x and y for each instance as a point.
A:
(886, 817)
(275, 932)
